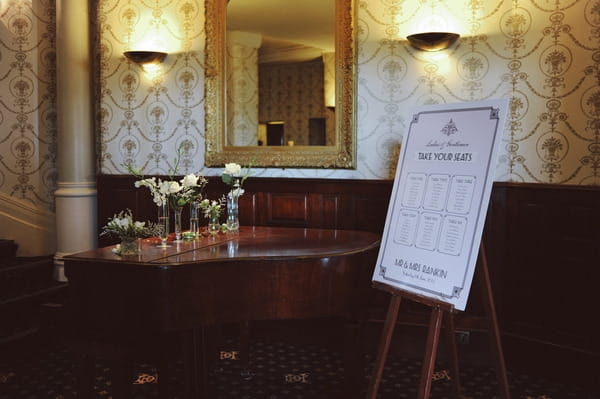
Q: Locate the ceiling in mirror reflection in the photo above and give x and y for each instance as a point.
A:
(291, 31)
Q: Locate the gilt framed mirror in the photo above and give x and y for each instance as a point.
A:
(280, 83)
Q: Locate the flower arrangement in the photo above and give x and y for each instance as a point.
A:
(174, 193)
(234, 176)
(212, 208)
(123, 226)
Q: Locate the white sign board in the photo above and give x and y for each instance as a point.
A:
(439, 200)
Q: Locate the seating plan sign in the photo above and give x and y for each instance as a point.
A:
(439, 200)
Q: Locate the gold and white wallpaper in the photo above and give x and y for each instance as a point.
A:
(146, 115)
(295, 95)
(541, 54)
(544, 55)
(27, 103)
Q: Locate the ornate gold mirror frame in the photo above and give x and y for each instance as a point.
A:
(341, 155)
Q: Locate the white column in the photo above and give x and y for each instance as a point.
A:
(76, 226)
(329, 79)
(242, 88)
(329, 88)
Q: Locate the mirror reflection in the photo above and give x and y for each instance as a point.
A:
(280, 60)
(280, 83)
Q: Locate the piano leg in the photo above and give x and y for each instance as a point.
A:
(85, 377)
(162, 368)
(122, 371)
(190, 365)
(353, 360)
(245, 349)
(195, 364)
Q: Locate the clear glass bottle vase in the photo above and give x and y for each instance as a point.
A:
(177, 211)
(163, 223)
(233, 222)
(194, 219)
(129, 246)
(213, 224)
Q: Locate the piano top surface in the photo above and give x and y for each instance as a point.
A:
(257, 274)
(251, 242)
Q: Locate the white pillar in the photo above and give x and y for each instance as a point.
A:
(329, 79)
(242, 88)
(75, 197)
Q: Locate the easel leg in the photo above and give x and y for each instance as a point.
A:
(454, 366)
(433, 338)
(488, 303)
(384, 346)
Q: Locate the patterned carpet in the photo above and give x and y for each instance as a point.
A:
(280, 369)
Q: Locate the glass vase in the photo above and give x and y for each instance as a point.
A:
(194, 214)
(129, 246)
(163, 223)
(213, 225)
(233, 222)
(177, 210)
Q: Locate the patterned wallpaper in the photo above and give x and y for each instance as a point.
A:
(242, 88)
(146, 115)
(541, 54)
(27, 102)
(295, 95)
(544, 55)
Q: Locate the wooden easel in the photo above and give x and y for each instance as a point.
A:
(440, 311)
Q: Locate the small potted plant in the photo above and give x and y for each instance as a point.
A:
(212, 211)
(122, 226)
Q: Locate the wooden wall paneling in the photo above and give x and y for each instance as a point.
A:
(288, 209)
(495, 238)
(249, 209)
(541, 242)
(550, 279)
(330, 211)
(551, 270)
(525, 249)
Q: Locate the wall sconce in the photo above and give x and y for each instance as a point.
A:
(432, 41)
(144, 58)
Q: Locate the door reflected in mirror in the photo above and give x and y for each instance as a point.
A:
(280, 83)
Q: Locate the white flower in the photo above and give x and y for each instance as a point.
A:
(175, 193)
(168, 187)
(236, 192)
(233, 169)
(122, 225)
(174, 187)
(158, 199)
(190, 180)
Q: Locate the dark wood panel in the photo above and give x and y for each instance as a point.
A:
(552, 264)
(288, 209)
(322, 203)
(541, 242)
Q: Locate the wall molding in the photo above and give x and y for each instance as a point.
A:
(31, 227)
(26, 214)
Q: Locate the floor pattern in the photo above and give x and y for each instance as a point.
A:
(279, 370)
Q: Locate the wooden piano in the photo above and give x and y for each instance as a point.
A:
(259, 273)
